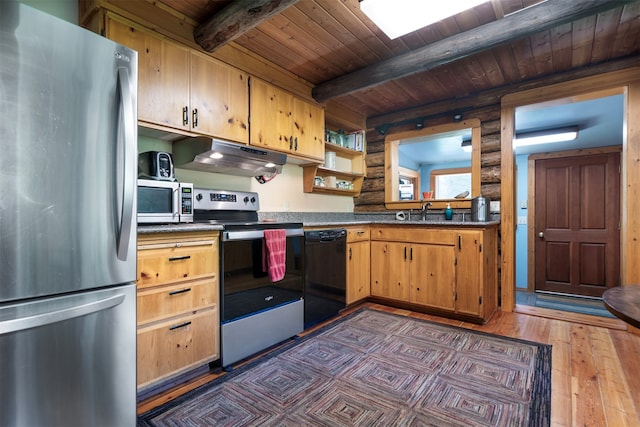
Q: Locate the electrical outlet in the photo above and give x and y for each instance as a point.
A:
(522, 220)
(494, 206)
(523, 204)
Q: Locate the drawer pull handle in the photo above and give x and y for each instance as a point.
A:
(181, 325)
(181, 291)
(179, 258)
(360, 233)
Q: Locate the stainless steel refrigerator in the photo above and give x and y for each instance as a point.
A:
(68, 143)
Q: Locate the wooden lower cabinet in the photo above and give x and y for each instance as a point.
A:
(477, 272)
(448, 270)
(389, 270)
(177, 304)
(358, 264)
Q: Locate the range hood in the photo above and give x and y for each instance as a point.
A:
(214, 155)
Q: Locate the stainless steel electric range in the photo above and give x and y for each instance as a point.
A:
(255, 313)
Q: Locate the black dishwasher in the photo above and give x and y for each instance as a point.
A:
(325, 274)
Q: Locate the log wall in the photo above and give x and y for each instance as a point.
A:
(484, 106)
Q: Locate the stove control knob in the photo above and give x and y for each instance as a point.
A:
(253, 200)
(246, 199)
(199, 196)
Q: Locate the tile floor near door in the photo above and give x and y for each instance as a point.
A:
(575, 304)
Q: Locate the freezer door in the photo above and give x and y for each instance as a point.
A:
(68, 166)
(69, 361)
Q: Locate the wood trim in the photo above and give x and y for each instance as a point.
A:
(576, 153)
(630, 182)
(415, 175)
(531, 224)
(507, 209)
(625, 82)
(392, 141)
(432, 130)
(610, 84)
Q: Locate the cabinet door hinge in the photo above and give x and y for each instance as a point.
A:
(480, 300)
(480, 247)
(456, 297)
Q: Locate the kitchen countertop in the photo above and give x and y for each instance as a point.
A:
(329, 219)
(443, 223)
(177, 228)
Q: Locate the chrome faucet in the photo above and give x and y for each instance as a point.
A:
(425, 206)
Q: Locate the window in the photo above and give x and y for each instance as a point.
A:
(449, 183)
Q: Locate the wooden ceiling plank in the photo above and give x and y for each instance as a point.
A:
(492, 69)
(561, 47)
(267, 45)
(366, 31)
(542, 53)
(628, 36)
(606, 28)
(236, 19)
(197, 10)
(301, 46)
(523, 54)
(339, 32)
(507, 63)
(313, 37)
(582, 36)
(528, 21)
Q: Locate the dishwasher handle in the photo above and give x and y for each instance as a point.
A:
(323, 236)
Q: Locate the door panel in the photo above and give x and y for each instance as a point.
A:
(577, 224)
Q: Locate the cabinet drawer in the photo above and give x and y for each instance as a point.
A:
(168, 348)
(168, 263)
(168, 301)
(358, 234)
(414, 235)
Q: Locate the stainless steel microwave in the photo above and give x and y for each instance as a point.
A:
(164, 202)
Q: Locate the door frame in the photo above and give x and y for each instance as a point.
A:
(625, 82)
(531, 191)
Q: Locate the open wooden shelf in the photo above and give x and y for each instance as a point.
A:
(355, 175)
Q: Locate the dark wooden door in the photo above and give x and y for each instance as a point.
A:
(577, 218)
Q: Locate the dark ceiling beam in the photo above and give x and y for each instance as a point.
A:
(519, 24)
(235, 19)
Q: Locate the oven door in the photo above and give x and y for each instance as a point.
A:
(245, 285)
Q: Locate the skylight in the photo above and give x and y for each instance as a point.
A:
(399, 17)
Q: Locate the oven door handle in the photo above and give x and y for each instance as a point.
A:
(228, 236)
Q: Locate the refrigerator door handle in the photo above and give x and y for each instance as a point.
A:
(41, 319)
(129, 161)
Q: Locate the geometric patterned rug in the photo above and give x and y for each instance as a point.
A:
(373, 368)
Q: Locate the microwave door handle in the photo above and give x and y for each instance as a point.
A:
(127, 143)
(176, 202)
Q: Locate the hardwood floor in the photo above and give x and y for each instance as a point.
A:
(595, 369)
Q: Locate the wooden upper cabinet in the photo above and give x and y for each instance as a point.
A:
(308, 129)
(163, 75)
(283, 122)
(219, 99)
(185, 90)
(270, 113)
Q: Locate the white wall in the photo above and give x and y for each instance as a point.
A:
(283, 193)
(64, 9)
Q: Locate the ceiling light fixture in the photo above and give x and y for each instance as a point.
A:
(399, 17)
(546, 136)
(466, 146)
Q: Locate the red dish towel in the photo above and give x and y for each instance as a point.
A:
(274, 253)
